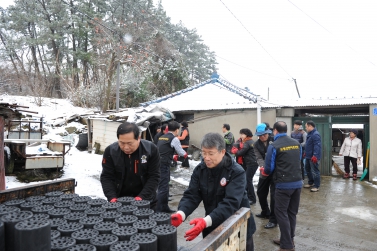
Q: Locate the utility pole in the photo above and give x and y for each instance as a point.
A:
(258, 110)
(117, 91)
(298, 93)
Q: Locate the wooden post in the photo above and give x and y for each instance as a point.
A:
(2, 168)
(90, 140)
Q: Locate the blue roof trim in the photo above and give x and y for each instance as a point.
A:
(214, 79)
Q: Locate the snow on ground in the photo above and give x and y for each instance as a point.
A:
(84, 167)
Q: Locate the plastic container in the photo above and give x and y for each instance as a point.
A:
(28, 231)
(166, 237)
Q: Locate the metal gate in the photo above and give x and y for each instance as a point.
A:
(324, 127)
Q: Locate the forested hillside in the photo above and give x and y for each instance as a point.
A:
(72, 48)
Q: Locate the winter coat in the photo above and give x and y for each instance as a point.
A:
(313, 146)
(351, 148)
(248, 154)
(229, 140)
(220, 202)
(114, 171)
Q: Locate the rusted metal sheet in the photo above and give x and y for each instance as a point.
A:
(231, 235)
(39, 162)
(64, 185)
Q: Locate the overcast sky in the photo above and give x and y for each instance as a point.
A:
(328, 46)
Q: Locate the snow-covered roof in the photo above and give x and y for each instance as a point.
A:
(213, 94)
(344, 101)
(138, 115)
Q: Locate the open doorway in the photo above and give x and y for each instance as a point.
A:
(339, 133)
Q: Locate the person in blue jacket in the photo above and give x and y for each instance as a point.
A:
(313, 150)
(220, 183)
(283, 162)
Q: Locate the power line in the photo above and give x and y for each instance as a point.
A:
(330, 32)
(256, 40)
(252, 69)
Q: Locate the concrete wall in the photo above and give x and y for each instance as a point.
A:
(104, 132)
(373, 142)
(286, 115)
(212, 121)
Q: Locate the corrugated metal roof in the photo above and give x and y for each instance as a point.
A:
(328, 102)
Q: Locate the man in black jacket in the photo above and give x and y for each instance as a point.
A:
(167, 144)
(220, 183)
(265, 184)
(131, 166)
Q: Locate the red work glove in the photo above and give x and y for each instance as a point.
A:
(176, 219)
(175, 157)
(304, 155)
(185, 156)
(138, 198)
(314, 159)
(261, 170)
(200, 224)
(241, 145)
(234, 150)
(113, 200)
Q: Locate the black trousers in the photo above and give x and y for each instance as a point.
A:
(250, 172)
(185, 161)
(163, 188)
(347, 160)
(266, 185)
(286, 209)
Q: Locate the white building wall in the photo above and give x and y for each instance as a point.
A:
(104, 132)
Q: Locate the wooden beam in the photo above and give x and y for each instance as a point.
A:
(2, 168)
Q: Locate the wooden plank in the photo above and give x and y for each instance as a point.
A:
(230, 235)
(64, 185)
